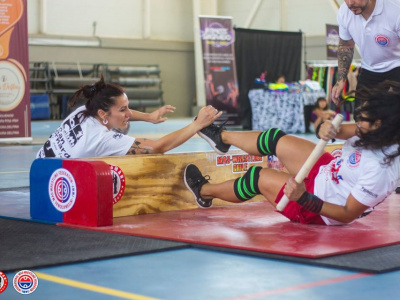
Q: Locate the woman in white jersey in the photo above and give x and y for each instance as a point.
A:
(88, 131)
(337, 190)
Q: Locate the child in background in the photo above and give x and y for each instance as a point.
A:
(321, 112)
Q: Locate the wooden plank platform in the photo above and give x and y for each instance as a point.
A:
(154, 183)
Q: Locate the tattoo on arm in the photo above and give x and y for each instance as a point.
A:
(345, 58)
(137, 149)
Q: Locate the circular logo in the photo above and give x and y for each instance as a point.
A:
(337, 153)
(25, 282)
(118, 183)
(12, 86)
(382, 40)
(3, 282)
(62, 190)
(354, 159)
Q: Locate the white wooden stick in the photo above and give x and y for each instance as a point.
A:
(309, 163)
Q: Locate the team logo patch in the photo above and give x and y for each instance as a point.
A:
(3, 282)
(354, 159)
(337, 153)
(382, 40)
(335, 168)
(25, 282)
(118, 183)
(62, 190)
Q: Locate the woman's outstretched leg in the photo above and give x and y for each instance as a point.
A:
(292, 151)
(255, 181)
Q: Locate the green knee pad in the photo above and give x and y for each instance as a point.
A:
(267, 141)
(246, 187)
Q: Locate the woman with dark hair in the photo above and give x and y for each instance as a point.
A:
(89, 130)
(337, 190)
(321, 112)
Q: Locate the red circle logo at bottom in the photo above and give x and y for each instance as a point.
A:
(25, 282)
(3, 282)
(118, 183)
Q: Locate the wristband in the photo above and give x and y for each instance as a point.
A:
(310, 202)
(317, 129)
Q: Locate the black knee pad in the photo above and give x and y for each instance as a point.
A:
(267, 141)
(246, 187)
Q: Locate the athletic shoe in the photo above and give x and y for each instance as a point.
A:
(194, 180)
(212, 134)
(398, 190)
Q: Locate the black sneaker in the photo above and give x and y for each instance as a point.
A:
(398, 190)
(212, 134)
(194, 180)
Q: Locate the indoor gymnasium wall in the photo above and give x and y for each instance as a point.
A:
(161, 32)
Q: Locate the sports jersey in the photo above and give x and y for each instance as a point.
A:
(360, 172)
(79, 137)
(378, 38)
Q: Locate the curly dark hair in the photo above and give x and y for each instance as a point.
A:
(381, 103)
(99, 95)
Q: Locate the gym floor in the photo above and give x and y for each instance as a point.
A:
(188, 273)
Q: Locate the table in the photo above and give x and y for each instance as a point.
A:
(281, 109)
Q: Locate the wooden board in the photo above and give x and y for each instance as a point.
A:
(154, 183)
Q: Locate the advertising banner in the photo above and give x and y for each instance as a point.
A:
(222, 91)
(332, 41)
(15, 119)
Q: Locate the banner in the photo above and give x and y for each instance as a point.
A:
(222, 91)
(15, 118)
(332, 41)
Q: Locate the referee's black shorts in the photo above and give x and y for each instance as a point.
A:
(371, 79)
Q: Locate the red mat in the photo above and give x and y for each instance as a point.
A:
(257, 227)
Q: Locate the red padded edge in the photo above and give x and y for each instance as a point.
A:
(94, 199)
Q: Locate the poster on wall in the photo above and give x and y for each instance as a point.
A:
(332, 41)
(220, 78)
(15, 118)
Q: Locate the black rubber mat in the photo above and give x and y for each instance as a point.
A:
(28, 245)
(377, 260)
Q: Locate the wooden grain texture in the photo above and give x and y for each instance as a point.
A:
(154, 183)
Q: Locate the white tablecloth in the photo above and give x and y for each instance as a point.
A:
(280, 109)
